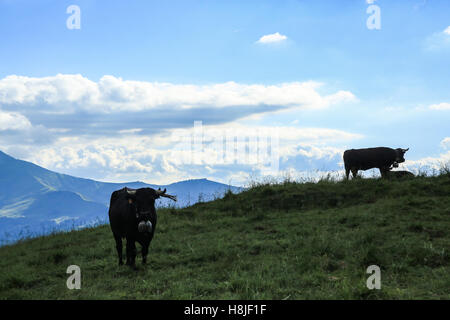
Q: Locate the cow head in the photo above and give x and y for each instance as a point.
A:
(144, 201)
(400, 155)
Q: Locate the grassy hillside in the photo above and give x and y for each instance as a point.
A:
(283, 241)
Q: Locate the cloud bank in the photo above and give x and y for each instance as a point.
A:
(121, 130)
(74, 105)
(71, 93)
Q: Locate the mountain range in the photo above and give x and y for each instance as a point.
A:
(36, 201)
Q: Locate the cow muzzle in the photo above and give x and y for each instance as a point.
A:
(145, 226)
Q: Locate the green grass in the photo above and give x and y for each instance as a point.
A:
(275, 241)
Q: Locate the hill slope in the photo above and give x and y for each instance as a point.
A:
(31, 198)
(284, 241)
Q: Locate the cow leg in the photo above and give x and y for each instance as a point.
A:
(144, 253)
(354, 172)
(384, 172)
(119, 248)
(131, 252)
(347, 172)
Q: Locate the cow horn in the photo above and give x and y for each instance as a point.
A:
(174, 198)
(163, 194)
(404, 150)
(159, 192)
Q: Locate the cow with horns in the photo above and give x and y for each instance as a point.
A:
(132, 215)
(381, 157)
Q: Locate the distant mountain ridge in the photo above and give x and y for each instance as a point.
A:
(36, 200)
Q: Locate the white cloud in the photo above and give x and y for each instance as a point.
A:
(432, 163)
(285, 133)
(70, 93)
(445, 143)
(50, 90)
(428, 163)
(440, 106)
(272, 38)
(120, 130)
(165, 158)
(130, 131)
(438, 40)
(447, 30)
(13, 121)
(63, 218)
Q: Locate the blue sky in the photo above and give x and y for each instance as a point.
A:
(386, 87)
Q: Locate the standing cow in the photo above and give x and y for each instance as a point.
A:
(363, 159)
(132, 215)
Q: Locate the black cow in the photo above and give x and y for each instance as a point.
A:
(132, 215)
(363, 159)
